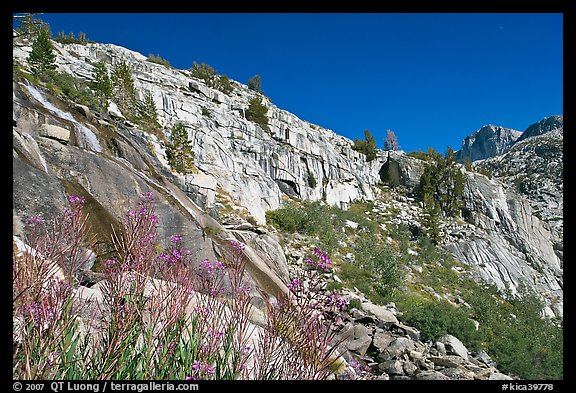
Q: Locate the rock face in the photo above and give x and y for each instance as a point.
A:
(488, 141)
(256, 166)
(514, 246)
(543, 126)
(534, 167)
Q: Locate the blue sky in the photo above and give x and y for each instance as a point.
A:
(431, 78)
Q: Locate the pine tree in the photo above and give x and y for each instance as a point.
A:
(147, 113)
(123, 91)
(42, 58)
(442, 183)
(179, 150)
(224, 84)
(255, 83)
(366, 147)
(101, 83)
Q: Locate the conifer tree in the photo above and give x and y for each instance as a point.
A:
(123, 91)
(442, 183)
(42, 58)
(101, 83)
(255, 83)
(367, 146)
(179, 150)
(147, 113)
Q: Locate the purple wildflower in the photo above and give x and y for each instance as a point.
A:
(175, 238)
(236, 245)
(209, 267)
(295, 285)
(34, 220)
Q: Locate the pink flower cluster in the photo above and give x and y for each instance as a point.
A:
(209, 267)
(322, 263)
(337, 302)
(200, 371)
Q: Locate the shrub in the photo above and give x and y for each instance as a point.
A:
(61, 83)
(158, 60)
(438, 318)
(312, 180)
(256, 112)
(211, 78)
(366, 147)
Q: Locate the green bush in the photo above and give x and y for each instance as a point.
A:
(312, 180)
(256, 112)
(381, 260)
(517, 337)
(73, 89)
(159, 60)
(366, 147)
(438, 318)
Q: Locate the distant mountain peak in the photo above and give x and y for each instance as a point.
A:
(488, 141)
(543, 126)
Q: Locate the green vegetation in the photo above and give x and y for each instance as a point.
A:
(206, 112)
(256, 112)
(312, 180)
(62, 38)
(436, 318)
(510, 328)
(101, 83)
(441, 190)
(179, 150)
(211, 78)
(123, 90)
(366, 147)
(255, 83)
(42, 59)
(440, 297)
(375, 269)
(158, 60)
(148, 115)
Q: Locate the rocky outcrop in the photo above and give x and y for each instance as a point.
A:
(534, 168)
(256, 166)
(545, 125)
(379, 347)
(512, 246)
(488, 141)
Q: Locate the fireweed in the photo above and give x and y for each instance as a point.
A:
(161, 316)
(299, 341)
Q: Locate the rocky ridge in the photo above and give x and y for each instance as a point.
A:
(233, 155)
(488, 141)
